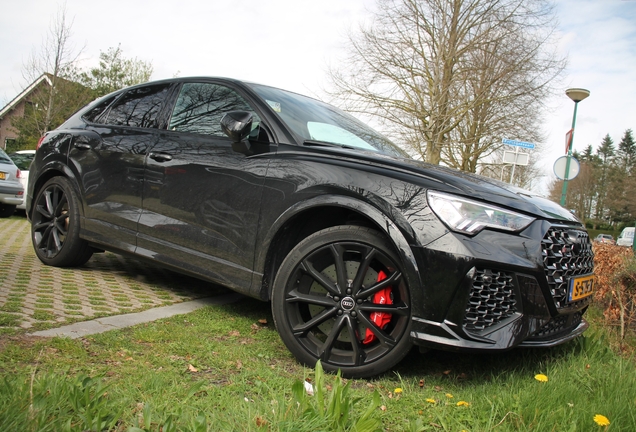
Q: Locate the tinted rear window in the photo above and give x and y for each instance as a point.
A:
(93, 115)
(139, 107)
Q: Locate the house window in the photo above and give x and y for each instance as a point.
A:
(8, 142)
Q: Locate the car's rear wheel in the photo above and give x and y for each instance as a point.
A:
(341, 297)
(6, 210)
(55, 225)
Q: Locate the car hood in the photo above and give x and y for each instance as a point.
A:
(476, 187)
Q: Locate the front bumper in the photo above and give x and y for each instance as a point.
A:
(520, 333)
(496, 291)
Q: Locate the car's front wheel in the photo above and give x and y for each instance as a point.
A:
(341, 297)
(55, 225)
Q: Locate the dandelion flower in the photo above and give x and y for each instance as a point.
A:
(541, 378)
(397, 390)
(601, 420)
(463, 403)
(431, 401)
(448, 395)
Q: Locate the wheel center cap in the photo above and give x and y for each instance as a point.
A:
(347, 303)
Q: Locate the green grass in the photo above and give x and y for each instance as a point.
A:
(43, 314)
(219, 369)
(11, 306)
(9, 320)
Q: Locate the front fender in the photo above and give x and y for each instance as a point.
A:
(400, 238)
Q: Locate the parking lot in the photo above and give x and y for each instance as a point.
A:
(35, 296)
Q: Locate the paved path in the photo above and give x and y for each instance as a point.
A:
(101, 325)
(35, 296)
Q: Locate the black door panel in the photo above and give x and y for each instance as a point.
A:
(201, 207)
(111, 173)
(202, 199)
(109, 158)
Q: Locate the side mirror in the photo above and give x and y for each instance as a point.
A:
(237, 125)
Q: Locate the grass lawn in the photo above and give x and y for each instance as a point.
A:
(225, 368)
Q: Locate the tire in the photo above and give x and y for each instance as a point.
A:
(55, 226)
(6, 210)
(324, 297)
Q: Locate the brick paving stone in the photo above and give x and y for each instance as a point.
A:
(108, 284)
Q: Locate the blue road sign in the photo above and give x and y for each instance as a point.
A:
(518, 143)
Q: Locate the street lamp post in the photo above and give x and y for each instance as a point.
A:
(577, 95)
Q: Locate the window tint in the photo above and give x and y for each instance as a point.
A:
(93, 114)
(139, 107)
(201, 106)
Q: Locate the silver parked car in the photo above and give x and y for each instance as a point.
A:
(22, 159)
(11, 190)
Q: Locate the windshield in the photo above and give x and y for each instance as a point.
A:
(313, 120)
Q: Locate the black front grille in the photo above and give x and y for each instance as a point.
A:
(567, 252)
(491, 299)
(560, 324)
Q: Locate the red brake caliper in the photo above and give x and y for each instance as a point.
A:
(380, 319)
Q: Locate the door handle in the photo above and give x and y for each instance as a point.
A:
(160, 157)
(82, 146)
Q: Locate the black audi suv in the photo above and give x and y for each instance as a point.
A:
(362, 251)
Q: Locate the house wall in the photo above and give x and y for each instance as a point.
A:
(6, 130)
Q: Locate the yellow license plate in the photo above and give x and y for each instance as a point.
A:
(3, 176)
(581, 287)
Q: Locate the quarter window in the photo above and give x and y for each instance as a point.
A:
(201, 106)
(139, 107)
(96, 112)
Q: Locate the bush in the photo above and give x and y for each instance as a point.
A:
(615, 269)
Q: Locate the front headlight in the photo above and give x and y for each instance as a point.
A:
(470, 217)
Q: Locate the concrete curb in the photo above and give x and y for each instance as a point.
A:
(101, 325)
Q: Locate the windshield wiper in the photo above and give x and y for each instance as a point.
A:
(326, 144)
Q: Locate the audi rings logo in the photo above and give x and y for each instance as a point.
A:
(347, 303)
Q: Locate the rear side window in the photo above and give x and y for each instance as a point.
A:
(201, 106)
(139, 107)
(95, 113)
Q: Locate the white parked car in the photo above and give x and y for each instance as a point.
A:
(627, 237)
(22, 159)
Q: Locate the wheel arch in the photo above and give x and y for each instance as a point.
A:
(308, 217)
(55, 169)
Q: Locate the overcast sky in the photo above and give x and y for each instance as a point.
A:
(289, 43)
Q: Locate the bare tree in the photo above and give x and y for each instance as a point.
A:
(56, 60)
(452, 77)
(62, 87)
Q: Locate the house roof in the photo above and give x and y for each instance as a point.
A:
(45, 77)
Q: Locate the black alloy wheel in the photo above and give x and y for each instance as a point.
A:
(55, 226)
(341, 297)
